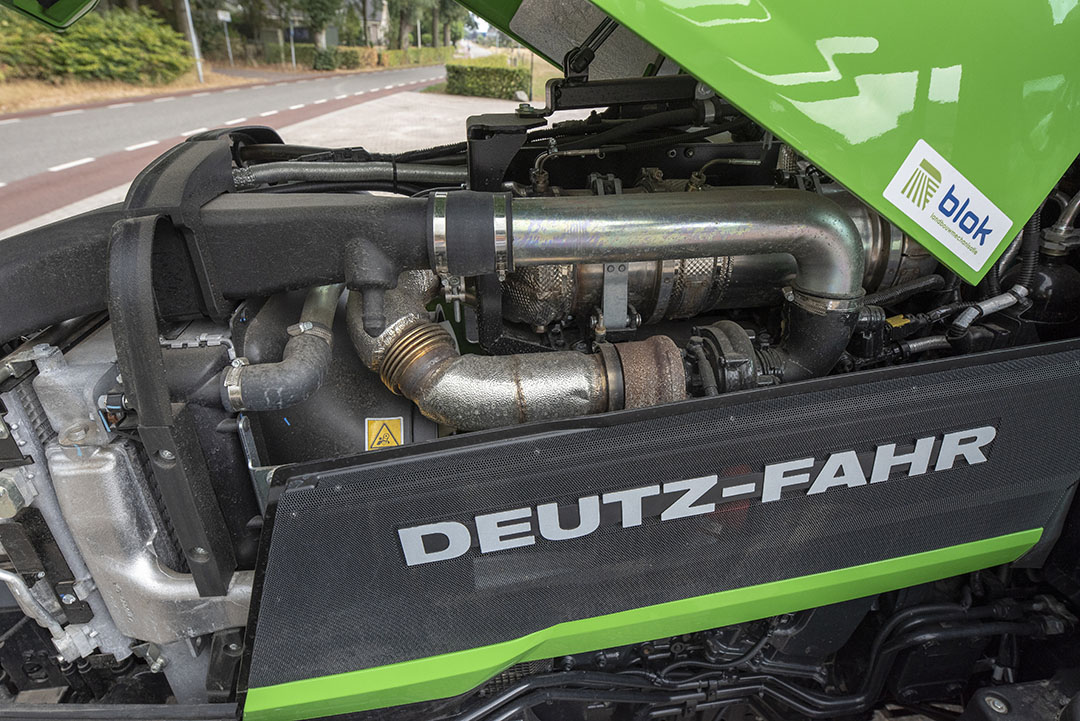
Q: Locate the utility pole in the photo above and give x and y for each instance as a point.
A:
(292, 46)
(419, 40)
(194, 40)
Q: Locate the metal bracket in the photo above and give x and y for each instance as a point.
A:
(616, 308)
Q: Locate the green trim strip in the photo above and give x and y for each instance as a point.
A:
(455, 673)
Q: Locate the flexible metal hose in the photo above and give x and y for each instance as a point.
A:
(290, 171)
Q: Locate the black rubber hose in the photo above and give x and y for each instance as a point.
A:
(991, 284)
(810, 344)
(303, 365)
(903, 291)
(666, 119)
(1029, 249)
(294, 379)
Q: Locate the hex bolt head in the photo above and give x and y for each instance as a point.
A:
(167, 455)
(157, 665)
(67, 599)
(997, 705)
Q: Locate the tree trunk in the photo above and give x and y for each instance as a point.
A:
(364, 23)
(320, 39)
(446, 34)
(181, 19)
(403, 29)
(133, 5)
(435, 25)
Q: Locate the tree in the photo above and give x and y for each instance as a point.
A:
(451, 13)
(320, 13)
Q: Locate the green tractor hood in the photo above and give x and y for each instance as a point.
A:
(953, 119)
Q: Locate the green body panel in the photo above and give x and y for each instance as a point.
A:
(59, 16)
(993, 87)
(454, 673)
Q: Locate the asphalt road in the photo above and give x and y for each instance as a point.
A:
(50, 159)
(64, 139)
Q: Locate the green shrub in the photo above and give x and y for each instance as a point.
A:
(487, 82)
(393, 58)
(348, 58)
(132, 47)
(305, 54)
(325, 60)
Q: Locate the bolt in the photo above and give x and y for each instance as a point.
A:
(996, 704)
(233, 647)
(200, 554)
(77, 434)
(157, 665)
(167, 455)
(238, 362)
(40, 574)
(67, 599)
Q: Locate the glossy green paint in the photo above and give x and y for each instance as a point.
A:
(455, 673)
(992, 86)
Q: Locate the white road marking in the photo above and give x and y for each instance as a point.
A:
(9, 121)
(233, 90)
(140, 146)
(164, 100)
(200, 95)
(341, 97)
(400, 85)
(235, 121)
(320, 101)
(268, 113)
(3, 185)
(388, 87)
(72, 164)
(120, 105)
(189, 133)
(296, 107)
(359, 92)
(61, 113)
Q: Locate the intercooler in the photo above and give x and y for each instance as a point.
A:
(380, 586)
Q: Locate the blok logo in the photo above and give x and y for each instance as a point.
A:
(923, 184)
(944, 203)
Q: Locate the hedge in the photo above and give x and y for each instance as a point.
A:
(415, 56)
(325, 59)
(305, 54)
(132, 47)
(487, 82)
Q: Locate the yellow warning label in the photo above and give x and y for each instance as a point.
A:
(384, 433)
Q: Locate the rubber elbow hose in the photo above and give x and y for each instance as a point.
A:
(302, 368)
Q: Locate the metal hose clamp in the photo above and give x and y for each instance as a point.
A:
(316, 329)
(502, 251)
(438, 233)
(232, 383)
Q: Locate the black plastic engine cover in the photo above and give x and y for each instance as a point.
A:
(790, 469)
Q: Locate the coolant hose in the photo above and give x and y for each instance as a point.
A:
(303, 365)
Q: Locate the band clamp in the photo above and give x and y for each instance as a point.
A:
(438, 233)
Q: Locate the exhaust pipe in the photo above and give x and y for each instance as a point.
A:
(418, 359)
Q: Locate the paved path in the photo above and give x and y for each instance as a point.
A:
(67, 138)
(57, 158)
